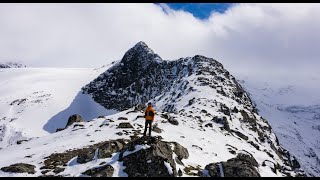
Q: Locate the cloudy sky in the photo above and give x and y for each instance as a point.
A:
(254, 39)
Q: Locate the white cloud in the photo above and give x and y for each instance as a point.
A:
(247, 38)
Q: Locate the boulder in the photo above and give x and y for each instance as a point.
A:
(86, 156)
(156, 129)
(123, 118)
(191, 101)
(240, 135)
(222, 121)
(20, 168)
(60, 129)
(58, 170)
(125, 125)
(173, 121)
(158, 157)
(74, 118)
(108, 148)
(241, 166)
(180, 151)
(103, 171)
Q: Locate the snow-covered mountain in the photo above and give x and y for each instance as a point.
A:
(293, 110)
(205, 124)
(11, 65)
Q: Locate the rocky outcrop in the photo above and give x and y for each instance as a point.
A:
(125, 125)
(108, 148)
(142, 74)
(103, 171)
(156, 160)
(86, 156)
(241, 166)
(12, 65)
(74, 118)
(222, 120)
(20, 168)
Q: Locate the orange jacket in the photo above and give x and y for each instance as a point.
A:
(149, 113)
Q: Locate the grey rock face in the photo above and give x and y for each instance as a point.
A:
(20, 168)
(150, 162)
(108, 148)
(85, 156)
(125, 125)
(74, 118)
(241, 166)
(141, 75)
(103, 171)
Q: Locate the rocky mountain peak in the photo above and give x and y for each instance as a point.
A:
(12, 65)
(140, 54)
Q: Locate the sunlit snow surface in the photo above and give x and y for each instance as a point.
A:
(292, 106)
(205, 144)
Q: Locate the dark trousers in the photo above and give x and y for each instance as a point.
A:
(148, 122)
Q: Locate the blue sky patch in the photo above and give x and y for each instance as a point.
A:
(200, 10)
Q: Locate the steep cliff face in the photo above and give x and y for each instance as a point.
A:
(142, 75)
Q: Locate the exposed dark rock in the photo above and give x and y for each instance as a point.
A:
(232, 151)
(235, 110)
(123, 118)
(179, 172)
(74, 118)
(125, 125)
(225, 109)
(173, 121)
(78, 125)
(254, 145)
(20, 141)
(247, 118)
(241, 166)
(191, 101)
(295, 163)
(208, 125)
(18, 101)
(139, 107)
(156, 129)
(45, 171)
(20, 168)
(119, 133)
(223, 121)
(189, 170)
(86, 156)
(157, 155)
(203, 111)
(60, 129)
(103, 171)
(180, 151)
(58, 170)
(198, 147)
(240, 134)
(108, 148)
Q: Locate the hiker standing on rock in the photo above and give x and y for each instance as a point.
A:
(149, 116)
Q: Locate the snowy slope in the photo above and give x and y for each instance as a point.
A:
(206, 146)
(36, 101)
(199, 105)
(292, 107)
